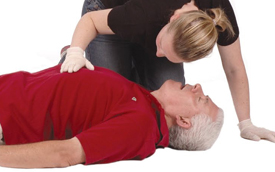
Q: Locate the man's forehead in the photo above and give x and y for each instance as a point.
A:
(212, 108)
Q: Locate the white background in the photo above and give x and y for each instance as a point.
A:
(32, 33)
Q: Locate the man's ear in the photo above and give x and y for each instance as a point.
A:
(183, 122)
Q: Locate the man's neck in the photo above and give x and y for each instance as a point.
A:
(169, 120)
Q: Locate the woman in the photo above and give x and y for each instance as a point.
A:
(148, 23)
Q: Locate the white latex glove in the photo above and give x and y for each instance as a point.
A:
(251, 132)
(75, 60)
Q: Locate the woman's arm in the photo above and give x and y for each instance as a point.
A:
(91, 24)
(42, 154)
(238, 83)
(234, 68)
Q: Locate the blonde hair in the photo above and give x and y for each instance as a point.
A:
(201, 136)
(196, 32)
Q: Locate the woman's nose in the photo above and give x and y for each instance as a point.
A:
(159, 52)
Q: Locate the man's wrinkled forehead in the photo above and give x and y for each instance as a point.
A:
(213, 109)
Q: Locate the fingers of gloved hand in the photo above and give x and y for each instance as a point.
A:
(63, 68)
(89, 65)
(74, 60)
(250, 135)
(72, 64)
(268, 135)
(256, 134)
(66, 67)
(76, 67)
(71, 69)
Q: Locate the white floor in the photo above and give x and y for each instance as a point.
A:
(33, 32)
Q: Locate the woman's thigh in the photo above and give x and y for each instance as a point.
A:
(110, 52)
(92, 5)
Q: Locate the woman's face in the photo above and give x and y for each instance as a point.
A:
(164, 39)
(164, 44)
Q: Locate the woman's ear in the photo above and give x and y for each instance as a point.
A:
(183, 122)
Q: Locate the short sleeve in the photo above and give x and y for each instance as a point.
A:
(127, 22)
(138, 21)
(120, 138)
(224, 38)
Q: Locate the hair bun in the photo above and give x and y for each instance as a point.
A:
(220, 20)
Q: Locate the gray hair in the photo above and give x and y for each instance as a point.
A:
(200, 136)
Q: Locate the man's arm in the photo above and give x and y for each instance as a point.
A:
(42, 154)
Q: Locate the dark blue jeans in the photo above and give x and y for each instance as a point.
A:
(129, 59)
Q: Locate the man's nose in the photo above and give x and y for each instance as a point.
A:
(197, 89)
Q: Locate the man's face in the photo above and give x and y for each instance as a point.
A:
(187, 100)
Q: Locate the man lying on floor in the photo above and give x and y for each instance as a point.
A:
(53, 119)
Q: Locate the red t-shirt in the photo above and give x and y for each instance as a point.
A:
(113, 118)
